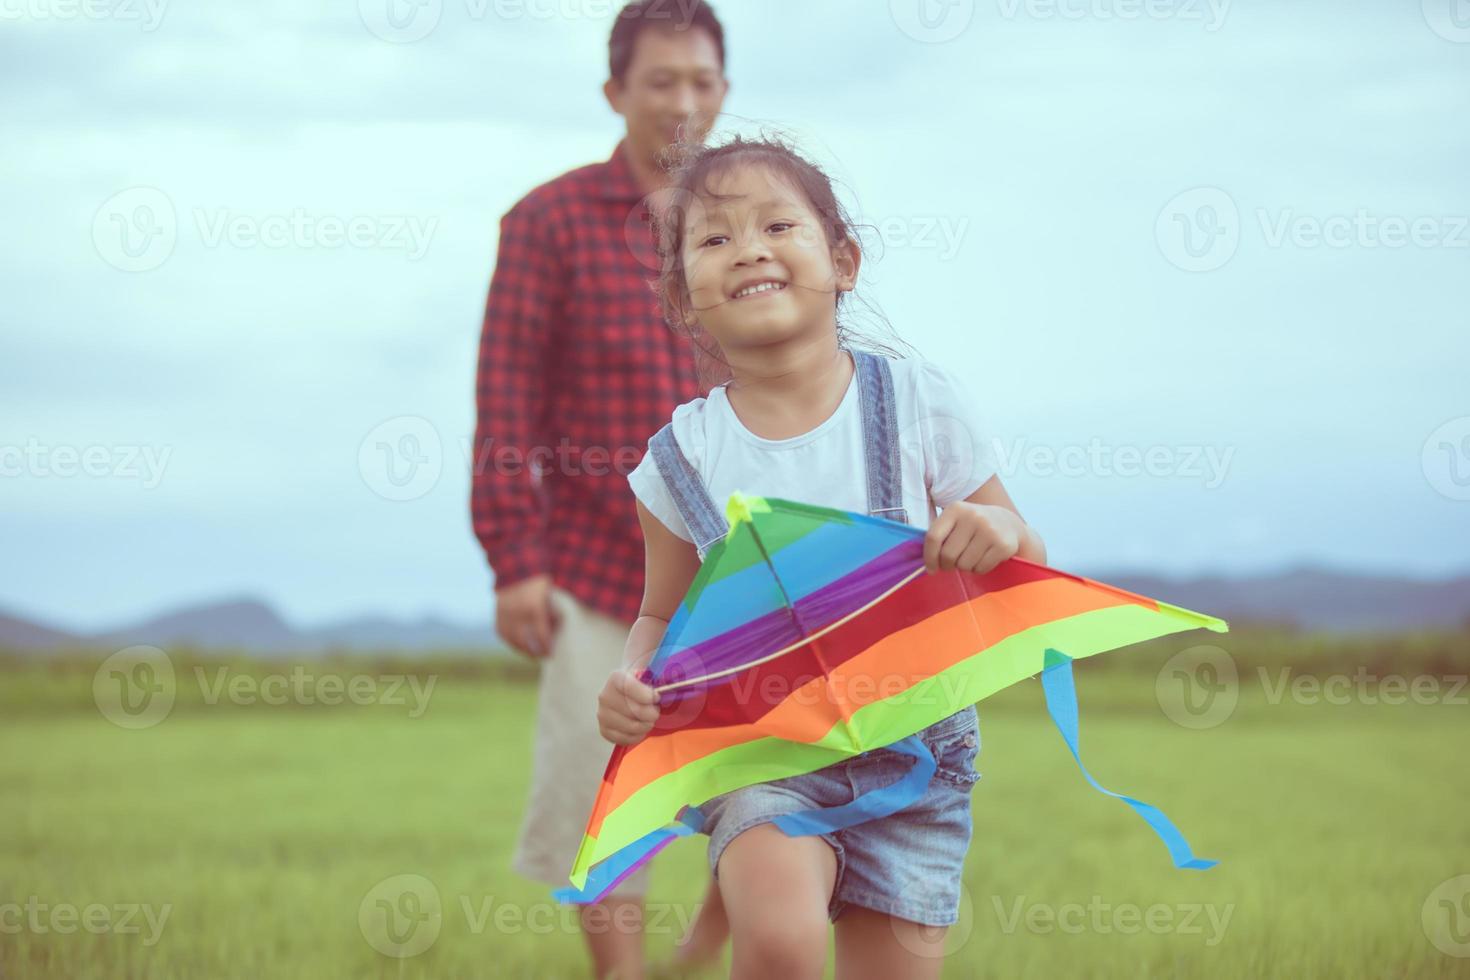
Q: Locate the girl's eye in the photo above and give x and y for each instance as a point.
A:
(710, 239)
(783, 225)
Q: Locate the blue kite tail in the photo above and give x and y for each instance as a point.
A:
(875, 803)
(604, 876)
(1061, 702)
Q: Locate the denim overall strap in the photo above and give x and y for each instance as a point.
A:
(880, 450)
(700, 514)
(880, 437)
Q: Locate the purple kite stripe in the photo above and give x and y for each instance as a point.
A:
(779, 628)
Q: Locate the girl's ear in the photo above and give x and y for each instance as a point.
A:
(846, 259)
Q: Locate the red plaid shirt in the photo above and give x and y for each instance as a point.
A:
(577, 371)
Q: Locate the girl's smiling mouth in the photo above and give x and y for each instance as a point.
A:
(762, 288)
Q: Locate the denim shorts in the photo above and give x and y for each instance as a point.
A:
(907, 864)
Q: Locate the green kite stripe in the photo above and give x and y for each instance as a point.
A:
(881, 723)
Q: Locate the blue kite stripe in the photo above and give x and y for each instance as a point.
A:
(805, 566)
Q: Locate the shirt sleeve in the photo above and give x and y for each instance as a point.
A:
(955, 442)
(648, 486)
(522, 313)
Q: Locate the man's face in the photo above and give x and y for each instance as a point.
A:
(764, 234)
(675, 79)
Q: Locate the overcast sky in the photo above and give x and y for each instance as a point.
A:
(249, 245)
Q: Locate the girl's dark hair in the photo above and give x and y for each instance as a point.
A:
(694, 167)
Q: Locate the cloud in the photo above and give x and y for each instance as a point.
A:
(1049, 145)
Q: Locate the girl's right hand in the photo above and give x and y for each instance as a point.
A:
(626, 709)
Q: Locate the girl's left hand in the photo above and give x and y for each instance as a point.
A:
(972, 538)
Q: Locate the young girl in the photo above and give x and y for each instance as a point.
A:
(757, 258)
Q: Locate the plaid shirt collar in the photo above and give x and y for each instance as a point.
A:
(618, 183)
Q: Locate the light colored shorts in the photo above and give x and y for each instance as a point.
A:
(907, 864)
(569, 755)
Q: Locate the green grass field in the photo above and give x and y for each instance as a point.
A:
(266, 834)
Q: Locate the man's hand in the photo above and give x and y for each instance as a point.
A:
(971, 537)
(524, 616)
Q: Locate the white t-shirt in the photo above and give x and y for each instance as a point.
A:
(944, 445)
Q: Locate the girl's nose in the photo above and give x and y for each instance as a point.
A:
(753, 250)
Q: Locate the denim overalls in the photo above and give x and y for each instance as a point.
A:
(906, 864)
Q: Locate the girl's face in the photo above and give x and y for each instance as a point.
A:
(757, 264)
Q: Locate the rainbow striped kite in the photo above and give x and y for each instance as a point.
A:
(811, 635)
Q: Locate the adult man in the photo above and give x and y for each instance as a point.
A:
(577, 370)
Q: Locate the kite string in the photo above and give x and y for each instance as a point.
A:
(795, 646)
(801, 629)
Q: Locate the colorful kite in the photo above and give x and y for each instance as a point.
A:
(812, 635)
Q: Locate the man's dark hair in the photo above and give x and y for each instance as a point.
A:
(668, 15)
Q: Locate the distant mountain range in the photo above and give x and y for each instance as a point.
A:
(1308, 598)
(1316, 599)
(254, 626)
